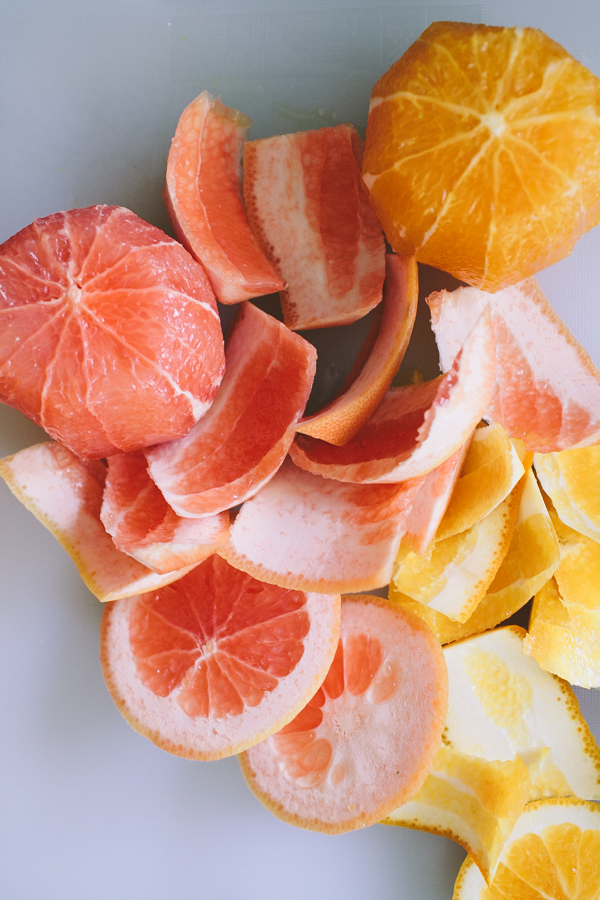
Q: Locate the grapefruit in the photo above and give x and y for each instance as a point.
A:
(218, 662)
(203, 194)
(311, 215)
(109, 333)
(366, 741)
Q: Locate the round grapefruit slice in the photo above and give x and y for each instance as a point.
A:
(311, 215)
(243, 439)
(368, 738)
(109, 333)
(203, 194)
(217, 663)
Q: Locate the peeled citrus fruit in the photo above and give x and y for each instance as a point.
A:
(483, 152)
(311, 215)
(578, 578)
(572, 480)
(553, 852)
(109, 333)
(367, 739)
(219, 661)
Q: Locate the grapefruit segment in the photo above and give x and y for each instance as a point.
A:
(203, 194)
(218, 662)
(240, 443)
(311, 216)
(378, 361)
(109, 333)
(311, 533)
(547, 390)
(142, 524)
(367, 739)
(65, 494)
(416, 427)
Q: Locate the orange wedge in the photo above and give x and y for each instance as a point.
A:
(571, 479)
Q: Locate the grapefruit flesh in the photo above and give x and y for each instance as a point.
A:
(219, 662)
(311, 533)
(109, 333)
(378, 361)
(416, 427)
(366, 741)
(203, 194)
(142, 524)
(243, 439)
(548, 389)
(310, 214)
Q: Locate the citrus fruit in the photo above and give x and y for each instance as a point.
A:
(483, 152)
(218, 661)
(65, 494)
(378, 360)
(471, 801)
(416, 427)
(203, 194)
(578, 576)
(310, 214)
(548, 388)
(571, 479)
(311, 533)
(243, 439)
(110, 338)
(142, 524)
(502, 703)
(553, 852)
(367, 739)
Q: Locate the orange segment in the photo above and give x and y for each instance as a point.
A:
(548, 389)
(339, 421)
(310, 213)
(367, 739)
(203, 194)
(217, 662)
(571, 479)
(477, 136)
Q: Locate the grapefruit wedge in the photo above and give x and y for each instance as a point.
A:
(243, 439)
(416, 427)
(548, 389)
(203, 194)
(378, 361)
(367, 739)
(109, 333)
(218, 662)
(311, 215)
(142, 524)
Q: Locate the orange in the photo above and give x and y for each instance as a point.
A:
(109, 333)
(483, 152)
(367, 740)
(203, 194)
(218, 661)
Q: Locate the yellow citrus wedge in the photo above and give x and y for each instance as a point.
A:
(578, 579)
(564, 533)
(571, 479)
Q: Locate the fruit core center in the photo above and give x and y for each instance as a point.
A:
(209, 648)
(74, 293)
(346, 721)
(495, 122)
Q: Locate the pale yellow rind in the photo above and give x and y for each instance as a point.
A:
(571, 478)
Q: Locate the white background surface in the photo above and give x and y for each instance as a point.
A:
(90, 93)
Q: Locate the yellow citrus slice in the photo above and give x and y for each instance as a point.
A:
(571, 479)
(502, 703)
(564, 533)
(578, 579)
(472, 801)
(553, 853)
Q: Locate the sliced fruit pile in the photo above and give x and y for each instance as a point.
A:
(223, 524)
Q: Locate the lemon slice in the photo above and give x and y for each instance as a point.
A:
(501, 703)
(474, 802)
(553, 852)
(570, 478)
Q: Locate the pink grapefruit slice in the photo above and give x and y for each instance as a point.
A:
(311, 216)
(203, 194)
(245, 436)
(366, 741)
(416, 427)
(384, 350)
(548, 389)
(109, 333)
(142, 524)
(219, 661)
(65, 494)
(311, 533)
